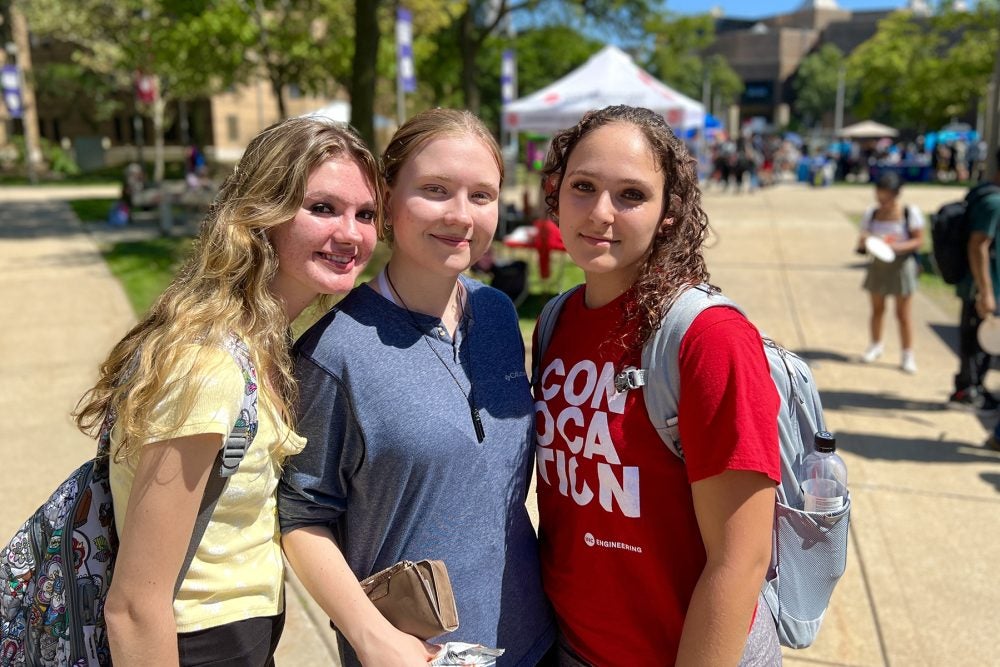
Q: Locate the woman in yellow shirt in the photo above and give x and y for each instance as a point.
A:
(295, 219)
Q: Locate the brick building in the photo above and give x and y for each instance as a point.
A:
(766, 52)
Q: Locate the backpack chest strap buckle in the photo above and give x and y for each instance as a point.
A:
(630, 378)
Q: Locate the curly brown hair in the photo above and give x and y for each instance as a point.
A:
(675, 258)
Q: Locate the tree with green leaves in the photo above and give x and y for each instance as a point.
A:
(170, 40)
(920, 72)
(544, 54)
(816, 83)
(481, 19)
(681, 57)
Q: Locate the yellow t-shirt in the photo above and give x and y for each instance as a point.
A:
(237, 572)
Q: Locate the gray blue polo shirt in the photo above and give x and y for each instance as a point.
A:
(394, 468)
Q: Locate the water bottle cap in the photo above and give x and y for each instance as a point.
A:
(825, 441)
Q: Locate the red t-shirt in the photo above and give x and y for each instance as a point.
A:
(620, 545)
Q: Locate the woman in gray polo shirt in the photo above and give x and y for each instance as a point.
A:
(419, 416)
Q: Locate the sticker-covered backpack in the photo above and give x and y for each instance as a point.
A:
(56, 570)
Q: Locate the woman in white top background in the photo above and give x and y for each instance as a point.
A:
(901, 227)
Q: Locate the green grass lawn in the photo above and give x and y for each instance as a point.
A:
(145, 268)
(91, 210)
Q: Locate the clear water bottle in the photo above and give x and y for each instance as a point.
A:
(824, 485)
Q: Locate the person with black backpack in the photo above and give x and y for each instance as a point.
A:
(980, 292)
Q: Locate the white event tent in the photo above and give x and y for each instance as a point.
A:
(609, 77)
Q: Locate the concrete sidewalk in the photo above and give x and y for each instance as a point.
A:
(920, 586)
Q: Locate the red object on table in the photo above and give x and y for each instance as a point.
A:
(544, 236)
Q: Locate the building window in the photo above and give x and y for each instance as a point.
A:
(232, 127)
(119, 134)
(56, 134)
(758, 92)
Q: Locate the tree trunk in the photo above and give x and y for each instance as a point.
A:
(468, 44)
(366, 36)
(158, 159)
(278, 89)
(29, 112)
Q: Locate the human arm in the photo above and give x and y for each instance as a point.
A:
(169, 483)
(200, 404)
(320, 565)
(914, 226)
(313, 498)
(728, 423)
(865, 231)
(979, 267)
(735, 511)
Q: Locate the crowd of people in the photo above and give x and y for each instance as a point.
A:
(753, 160)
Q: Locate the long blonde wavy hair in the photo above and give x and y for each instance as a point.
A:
(224, 286)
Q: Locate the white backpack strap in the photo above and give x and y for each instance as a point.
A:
(660, 355)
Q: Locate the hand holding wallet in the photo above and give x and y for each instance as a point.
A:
(416, 597)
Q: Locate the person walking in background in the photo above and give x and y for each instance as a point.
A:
(419, 417)
(294, 220)
(979, 292)
(902, 227)
(687, 544)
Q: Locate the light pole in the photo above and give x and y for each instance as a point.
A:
(838, 114)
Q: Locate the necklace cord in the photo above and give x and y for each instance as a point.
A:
(477, 422)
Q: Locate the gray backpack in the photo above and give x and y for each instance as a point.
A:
(809, 551)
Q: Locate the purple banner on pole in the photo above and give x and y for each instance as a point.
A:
(508, 77)
(10, 86)
(405, 75)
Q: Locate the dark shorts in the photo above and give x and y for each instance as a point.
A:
(249, 643)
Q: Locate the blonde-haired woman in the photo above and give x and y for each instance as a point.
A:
(294, 220)
(420, 418)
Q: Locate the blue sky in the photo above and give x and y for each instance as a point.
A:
(759, 8)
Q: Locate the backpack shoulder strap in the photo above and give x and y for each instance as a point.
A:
(228, 459)
(245, 428)
(544, 329)
(979, 192)
(867, 217)
(659, 358)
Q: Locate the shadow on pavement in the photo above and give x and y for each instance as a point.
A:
(885, 448)
(991, 478)
(948, 333)
(29, 220)
(848, 400)
(823, 355)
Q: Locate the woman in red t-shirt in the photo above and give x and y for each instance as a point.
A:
(649, 560)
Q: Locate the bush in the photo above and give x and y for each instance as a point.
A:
(57, 160)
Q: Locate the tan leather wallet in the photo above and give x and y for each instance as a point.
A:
(416, 597)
